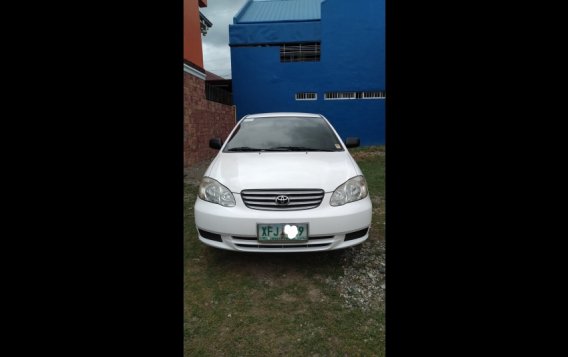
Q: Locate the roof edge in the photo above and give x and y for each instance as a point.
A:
(192, 68)
(276, 21)
(241, 11)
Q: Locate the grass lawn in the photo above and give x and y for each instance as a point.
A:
(253, 304)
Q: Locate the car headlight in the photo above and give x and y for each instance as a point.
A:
(354, 189)
(212, 191)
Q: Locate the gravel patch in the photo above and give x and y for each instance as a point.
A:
(363, 282)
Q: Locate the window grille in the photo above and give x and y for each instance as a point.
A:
(306, 96)
(218, 95)
(354, 95)
(374, 95)
(300, 52)
(339, 95)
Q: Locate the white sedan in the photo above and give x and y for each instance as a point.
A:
(283, 182)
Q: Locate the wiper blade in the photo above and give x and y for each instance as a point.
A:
(296, 148)
(278, 148)
(244, 148)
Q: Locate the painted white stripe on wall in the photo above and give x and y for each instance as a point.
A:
(193, 71)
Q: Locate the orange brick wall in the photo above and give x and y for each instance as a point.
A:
(202, 120)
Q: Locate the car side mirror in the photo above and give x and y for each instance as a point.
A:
(352, 142)
(215, 143)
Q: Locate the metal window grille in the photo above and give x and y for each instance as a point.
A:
(374, 95)
(301, 52)
(339, 95)
(306, 96)
(354, 95)
(218, 95)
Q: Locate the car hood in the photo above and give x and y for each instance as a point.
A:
(269, 170)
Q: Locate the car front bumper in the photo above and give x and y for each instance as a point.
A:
(330, 228)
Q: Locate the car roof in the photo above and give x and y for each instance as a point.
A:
(283, 114)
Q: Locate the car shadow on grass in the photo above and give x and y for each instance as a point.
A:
(322, 265)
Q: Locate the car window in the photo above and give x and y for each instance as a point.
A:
(283, 134)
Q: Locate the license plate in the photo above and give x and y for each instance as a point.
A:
(282, 232)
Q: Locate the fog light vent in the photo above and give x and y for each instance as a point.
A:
(209, 235)
(355, 235)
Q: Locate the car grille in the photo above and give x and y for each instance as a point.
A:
(251, 244)
(282, 246)
(297, 199)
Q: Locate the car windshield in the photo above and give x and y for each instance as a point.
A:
(283, 134)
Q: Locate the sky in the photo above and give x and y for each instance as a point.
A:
(216, 50)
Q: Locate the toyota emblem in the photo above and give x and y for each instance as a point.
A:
(282, 200)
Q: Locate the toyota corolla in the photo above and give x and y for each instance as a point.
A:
(283, 182)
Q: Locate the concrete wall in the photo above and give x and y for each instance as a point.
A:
(352, 35)
(203, 120)
(192, 49)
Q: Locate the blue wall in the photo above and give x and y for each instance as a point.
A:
(276, 32)
(352, 59)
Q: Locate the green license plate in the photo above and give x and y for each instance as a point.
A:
(282, 232)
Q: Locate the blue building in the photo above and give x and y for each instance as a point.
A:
(315, 56)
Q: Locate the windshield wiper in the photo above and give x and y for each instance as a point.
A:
(296, 148)
(244, 148)
(278, 148)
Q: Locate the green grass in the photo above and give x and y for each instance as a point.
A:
(371, 161)
(246, 304)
